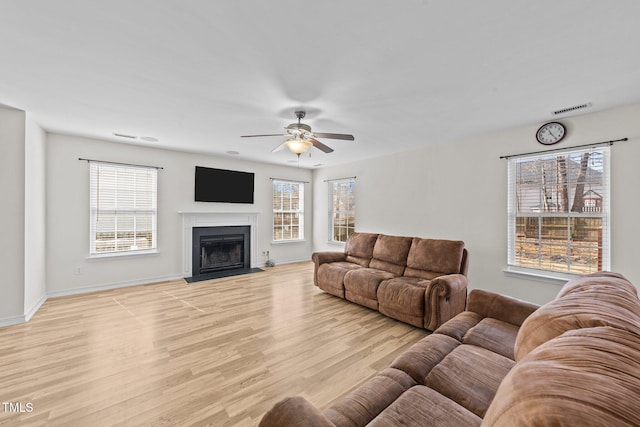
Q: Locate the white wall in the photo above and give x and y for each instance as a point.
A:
(69, 270)
(12, 214)
(35, 218)
(458, 191)
(455, 191)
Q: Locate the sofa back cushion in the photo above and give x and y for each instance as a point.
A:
(586, 377)
(599, 299)
(430, 258)
(359, 248)
(601, 281)
(390, 253)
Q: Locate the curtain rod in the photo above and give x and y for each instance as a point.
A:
(118, 163)
(289, 180)
(595, 144)
(340, 179)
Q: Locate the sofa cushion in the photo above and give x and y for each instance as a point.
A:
(422, 406)
(364, 403)
(602, 280)
(390, 253)
(359, 248)
(589, 301)
(424, 355)
(330, 276)
(365, 281)
(585, 377)
(470, 376)
(494, 335)
(459, 325)
(403, 298)
(429, 258)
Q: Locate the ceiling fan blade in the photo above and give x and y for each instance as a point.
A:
(270, 134)
(320, 146)
(334, 136)
(279, 147)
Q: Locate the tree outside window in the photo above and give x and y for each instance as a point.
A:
(288, 211)
(342, 209)
(123, 209)
(559, 211)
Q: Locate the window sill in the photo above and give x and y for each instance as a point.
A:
(335, 243)
(282, 242)
(552, 277)
(119, 255)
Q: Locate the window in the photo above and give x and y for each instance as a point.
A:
(288, 211)
(123, 209)
(559, 211)
(342, 209)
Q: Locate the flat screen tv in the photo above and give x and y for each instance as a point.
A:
(224, 186)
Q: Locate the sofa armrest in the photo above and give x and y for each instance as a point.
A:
(324, 257)
(294, 411)
(320, 258)
(501, 307)
(445, 297)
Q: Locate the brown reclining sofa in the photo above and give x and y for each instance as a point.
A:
(417, 281)
(575, 361)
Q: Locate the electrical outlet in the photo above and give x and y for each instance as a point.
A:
(78, 270)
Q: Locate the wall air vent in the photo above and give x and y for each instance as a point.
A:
(570, 109)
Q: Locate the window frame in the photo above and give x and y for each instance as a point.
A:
(95, 210)
(334, 199)
(295, 212)
(603, 242)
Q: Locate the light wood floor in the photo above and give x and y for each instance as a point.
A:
(215, 353)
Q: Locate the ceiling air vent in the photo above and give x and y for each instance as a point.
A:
(122, 135)
(570, 109)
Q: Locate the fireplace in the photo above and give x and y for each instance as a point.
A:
(191, 220)
(220, 249)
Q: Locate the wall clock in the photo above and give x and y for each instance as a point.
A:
(551, 133)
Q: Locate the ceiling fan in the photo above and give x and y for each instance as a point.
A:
(301, 138)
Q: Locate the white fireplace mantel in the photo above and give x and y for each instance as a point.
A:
(216, 219)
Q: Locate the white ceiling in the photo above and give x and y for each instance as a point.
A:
(197, 74)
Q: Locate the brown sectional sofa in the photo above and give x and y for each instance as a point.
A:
(418, 281)
(503, 362)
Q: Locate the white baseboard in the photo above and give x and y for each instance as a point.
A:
(24, 318)
(108, 286)
(10, 321)
(287, 261)
(29, 314)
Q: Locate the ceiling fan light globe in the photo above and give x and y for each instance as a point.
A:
(298, 146)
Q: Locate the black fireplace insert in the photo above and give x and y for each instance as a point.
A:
(218, 249)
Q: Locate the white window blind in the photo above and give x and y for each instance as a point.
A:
(559, 211)
(288, 211)
(123, 209)
(342, 209)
